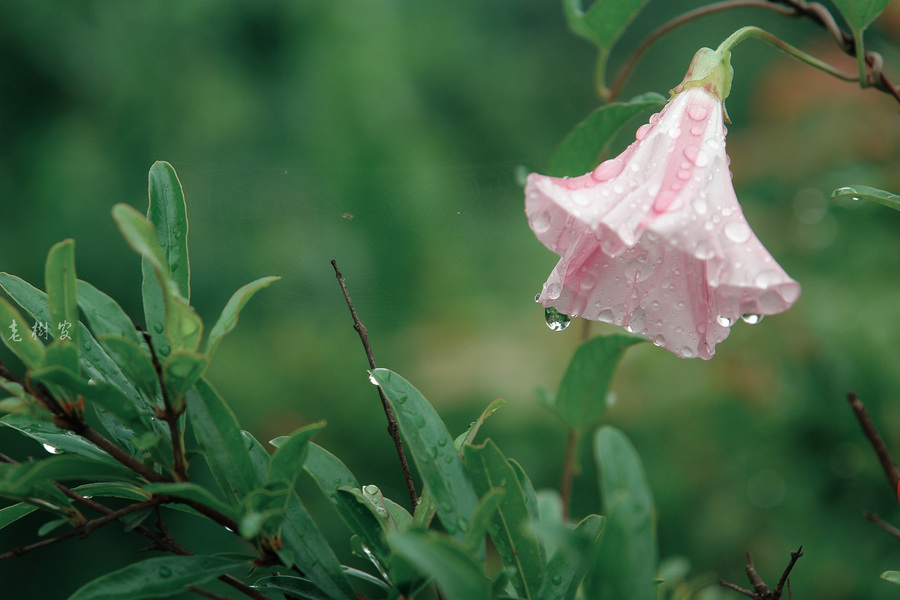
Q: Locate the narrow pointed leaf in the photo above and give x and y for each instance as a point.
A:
(161, 577)
(168, 215)
(892, 576)
(604, 21)
(224, 448)
(22, 479)
(134, 360)
(432, 450)
(61, 284)
(17, 336)
(287, 462)
(580, 151)
(581, 398)
(627, 560)
(192, 492)
(489, 469)
(229, 317)
(571, 561)
(864, 192)
(64, 383)
(11, 514)
(103, 314)
(459, 575)
(61, 440)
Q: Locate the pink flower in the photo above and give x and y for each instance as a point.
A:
(654, 240)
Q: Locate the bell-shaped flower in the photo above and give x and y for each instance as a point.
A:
(654, 240)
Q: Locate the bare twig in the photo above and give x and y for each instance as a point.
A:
(884, 456)
(169, 415)
(872, 518)
(393, 429)
(760, 590)
(205, 593)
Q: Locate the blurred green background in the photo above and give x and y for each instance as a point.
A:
(391, 135)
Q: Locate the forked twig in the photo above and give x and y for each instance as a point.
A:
(760, 590)
(393, 429)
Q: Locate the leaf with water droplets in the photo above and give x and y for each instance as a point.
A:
(29, 350)
(168, 215)
(287, 462)
(46, 432)
(160, 577)
(627, 560)
(422, 429)
(60, 281)
(489, 469)
(863, 192)
(583, 391)
(572, 559)
(580, 151)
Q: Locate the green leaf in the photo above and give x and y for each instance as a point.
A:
(229, 317)
(459, 575)
(181, 370)
(11, 514)
(472, 432)
(892, 576)
(570, 562)
(183, 327)
(168, 215)
(28, 349)
(63, 383)
(481, 520)
(140, 235)
(60, 280)
(365, 521)
(160, 577)
(303, 541)
(432, 450)
(296, 587)
(21, 480)
(192, 492)
(104, 315)
(860, 13)
(581, 398)
(287, 462)
(223, 445)
(864, 192)
(603, 22)
(489, 469)
(49, 434)
(580, 151)
(627, 561)
(134, 360)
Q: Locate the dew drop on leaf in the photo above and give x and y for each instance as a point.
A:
(165, 572)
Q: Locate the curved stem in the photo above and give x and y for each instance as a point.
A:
(678, 21)
(745, 33)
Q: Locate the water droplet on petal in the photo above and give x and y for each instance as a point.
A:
(674, 133)
(636, 323)
(698, 156)
(724, 321)
(642, 131)
(588, 282)
(554, 290)
(537, 297)
(556, 321)
(687, 352)
(751, 318)
(697, 112)
(659, 340)
(737, 231)
(696, 130)
(606, 316)
(608, 169)
(703, 251)
(541, 222)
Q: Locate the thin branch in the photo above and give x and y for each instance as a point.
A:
(393, 429)
(169, 415)
(205, 593)
(884, 456)
(81, 531)
(872, 518)
(760, 590)
(678, 21)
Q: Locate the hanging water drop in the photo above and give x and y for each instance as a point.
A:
(724, 321)
(751, 318)
(372, 380)
(556, 321)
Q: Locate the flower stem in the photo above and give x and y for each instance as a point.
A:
(748, 32)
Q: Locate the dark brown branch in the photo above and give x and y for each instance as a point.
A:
(884, 456)
(393, 429)
(206, 593)
(872, 518)
(81, 531)
(169, 415)
(760, 590)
